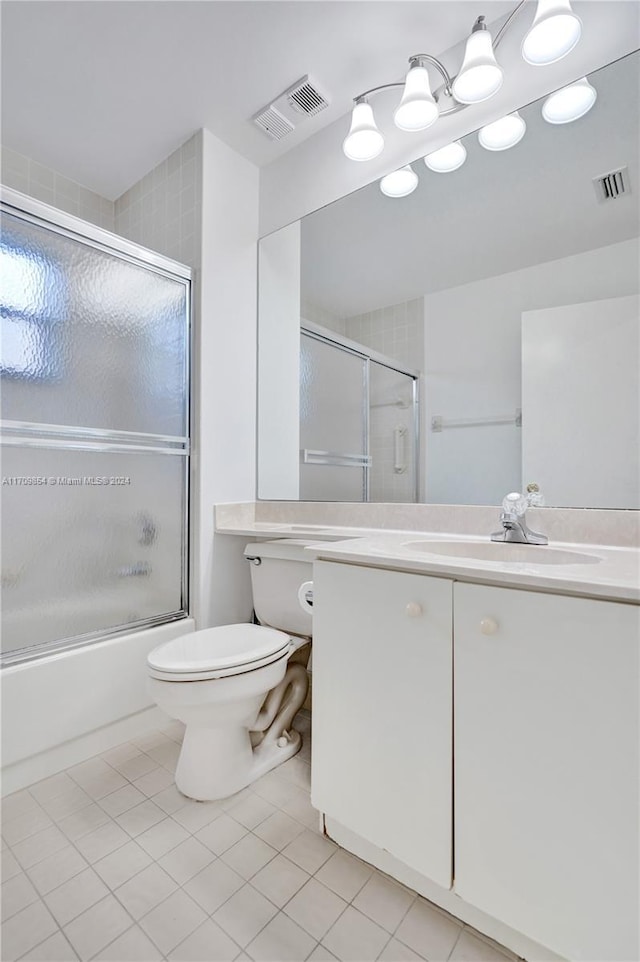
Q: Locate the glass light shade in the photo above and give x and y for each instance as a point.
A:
(480, 76)
(364, 141)
(553, 34)
(503, 133)
(447, 158)
(569, 103)
(417, 110)
(400, 182)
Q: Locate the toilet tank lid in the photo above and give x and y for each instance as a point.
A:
(229, 646)
(288, 549)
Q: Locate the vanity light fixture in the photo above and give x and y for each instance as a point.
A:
(417, 110)
(399, 183)
(554, 33)
(569, 103)
(480, 76)
(447, 158)
(364, 141)
(503, 133)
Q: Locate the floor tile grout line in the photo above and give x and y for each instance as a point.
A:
(456, 942)
(294, 783)
(133, 922)
(43, 896)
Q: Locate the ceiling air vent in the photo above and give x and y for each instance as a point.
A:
(273, 123)
(290, 108)
(613, 185)
(304, 98)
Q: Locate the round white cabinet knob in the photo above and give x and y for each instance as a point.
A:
(413, 609)
(488, 626)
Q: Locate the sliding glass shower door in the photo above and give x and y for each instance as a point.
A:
(334, 461)
(358, 424)
(95, 446)
(393, 434)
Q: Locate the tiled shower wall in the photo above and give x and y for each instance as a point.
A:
(397, 331)
(162, 211)
(23, 174)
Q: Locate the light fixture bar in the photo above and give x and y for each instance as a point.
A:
(505, 26)
(415, 59)
(374, 90)
(553, 34)
(442, 70)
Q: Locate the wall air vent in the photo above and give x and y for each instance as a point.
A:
(613, 185)
(290, 108)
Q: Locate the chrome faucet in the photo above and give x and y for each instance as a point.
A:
(513, 521)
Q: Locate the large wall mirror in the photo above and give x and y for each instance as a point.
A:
(471, 338)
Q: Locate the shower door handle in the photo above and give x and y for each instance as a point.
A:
(336, 458)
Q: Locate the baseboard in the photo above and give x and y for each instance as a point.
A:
(56, 759)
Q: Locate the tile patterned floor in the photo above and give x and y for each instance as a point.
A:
(108, 861)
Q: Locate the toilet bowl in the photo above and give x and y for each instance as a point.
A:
(234, 687)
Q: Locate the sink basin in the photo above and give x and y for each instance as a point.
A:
(504, 553)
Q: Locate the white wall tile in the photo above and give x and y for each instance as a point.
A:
(162, 211)
(26, 175)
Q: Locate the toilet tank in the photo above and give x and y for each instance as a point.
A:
(278, 568)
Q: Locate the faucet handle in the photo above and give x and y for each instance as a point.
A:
(515, 504)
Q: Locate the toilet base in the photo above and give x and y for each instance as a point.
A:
(237, 764)
(269, 755)
(216, 762)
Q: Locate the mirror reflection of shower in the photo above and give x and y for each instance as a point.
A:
(358, 422)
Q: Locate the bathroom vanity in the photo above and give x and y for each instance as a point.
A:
(476, 715)
(486, 739)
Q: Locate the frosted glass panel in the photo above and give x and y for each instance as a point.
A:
(84, 557)
(332, 420)
(392, 435)
(89, 338)
(327, 482)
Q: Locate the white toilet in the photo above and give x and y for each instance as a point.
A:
(233, 687)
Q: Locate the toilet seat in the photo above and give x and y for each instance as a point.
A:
(218, 653)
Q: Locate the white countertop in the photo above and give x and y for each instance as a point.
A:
(615, 576)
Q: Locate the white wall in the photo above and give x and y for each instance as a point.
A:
(225, 431)
(315, 314)
(317, 172)
(279, 371)
(581, 403)
(473, 364)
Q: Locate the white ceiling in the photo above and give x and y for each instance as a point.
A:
(102, 91)
(499, 212)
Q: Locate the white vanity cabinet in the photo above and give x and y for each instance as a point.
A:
(382, 710)
(545, 736)
(546, 767)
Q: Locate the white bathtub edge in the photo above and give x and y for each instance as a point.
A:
(29, 770)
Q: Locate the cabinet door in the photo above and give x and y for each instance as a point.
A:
(381, 761)
(546, 767)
